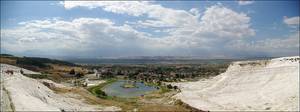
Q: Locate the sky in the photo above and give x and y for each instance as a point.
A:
(206, 29)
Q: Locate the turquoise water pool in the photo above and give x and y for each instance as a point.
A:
(115, 89)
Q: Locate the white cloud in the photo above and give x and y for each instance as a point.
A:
(134, 8)
(292, 20)
(216, 19)
(151, 23)
(77, 35)
(225, 22)
(274, 46)
(185, 30)
(195, 11)
(245, 2)
(168, 16)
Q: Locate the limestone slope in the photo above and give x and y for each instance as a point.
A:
(247, 85)
(31, 95)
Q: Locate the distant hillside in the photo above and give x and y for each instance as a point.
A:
(32, 63)
(41, 62)
(6, 55)
(148, 61)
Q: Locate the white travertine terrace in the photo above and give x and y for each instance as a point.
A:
(247, 85)
(29, 94)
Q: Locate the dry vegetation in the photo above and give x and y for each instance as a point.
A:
(10, 61)
(54, 71)
(126, 104)
(255, 63)
(65, 69)
(157, 107)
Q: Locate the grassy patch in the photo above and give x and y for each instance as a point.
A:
(186, 106)
(128, 86)
(37, 76)
(150, 84)
(164, 89)
(96, 90)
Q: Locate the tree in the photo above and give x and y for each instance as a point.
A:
(21, 71)
(159, 83)
(175, 87)
(79, 75)
(169, 86)
(72, 72)
(90, 72)
(100, 93)
(177, 75)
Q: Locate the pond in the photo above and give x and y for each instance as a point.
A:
(116, 89)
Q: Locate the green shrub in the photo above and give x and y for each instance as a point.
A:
(72, 72)
(37, 76)
(100, 93)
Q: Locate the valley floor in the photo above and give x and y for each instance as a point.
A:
(21, 93)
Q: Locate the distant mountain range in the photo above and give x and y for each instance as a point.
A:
(156, 57)
(156, 60)
(144, 59)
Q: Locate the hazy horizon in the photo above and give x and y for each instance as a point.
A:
(204, 29)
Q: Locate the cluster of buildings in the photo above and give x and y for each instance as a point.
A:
(147, 75)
